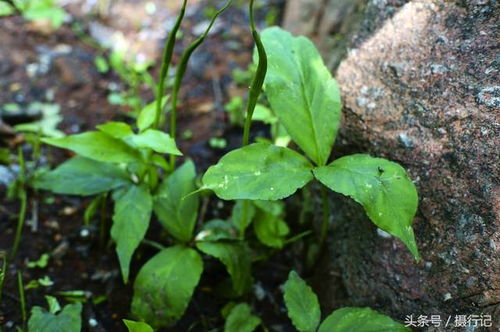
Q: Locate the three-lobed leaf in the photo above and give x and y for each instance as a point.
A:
(382, 187)
(302, 304)
(69, 319)
(165, 284)
(258, 171)
(360, 320)
(236, 258)
(241, 319)
(98, 146)
(82, 176)
(132, 213)
(175, 208)
(302, 92)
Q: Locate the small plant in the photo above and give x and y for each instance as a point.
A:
(55, 319)
(136, 166)
(306, 100)
(305, 313)
(34, 10)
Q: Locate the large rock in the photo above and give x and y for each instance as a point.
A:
(420, 86)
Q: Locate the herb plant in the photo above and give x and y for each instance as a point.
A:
(136, 166)
(305, 313)
(306, 100)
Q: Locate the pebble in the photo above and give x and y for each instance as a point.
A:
(406, 141)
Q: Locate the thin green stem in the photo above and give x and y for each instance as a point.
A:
(22, 298)
(258, 80)
(23, 197)
(3, 274)
(102, 221)
(153, 244)
(165, 64)
(181, 70)
(326, 215)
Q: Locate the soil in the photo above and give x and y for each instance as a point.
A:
(81, 258)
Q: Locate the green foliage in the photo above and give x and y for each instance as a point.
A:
(360, 320)
(305, 313)
(236, 258)
(67, 320)
(157, 141)
(302, 92)
(98, 146)
(258, 171)
(165, 284)
(176, 211)
(82, 176)
(126, 162)
(147, 115)
(133, 206)
(39, 263)
(270, 229)
(242, 216)
(302, 304)
(382, 187)
(240, 319)
(43, 10)
(137, 326)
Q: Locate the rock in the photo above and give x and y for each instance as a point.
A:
(431, 71)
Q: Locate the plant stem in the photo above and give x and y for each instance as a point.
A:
(326, 210)
(258, 80)
(22, 298)
(181, 70)
(102, 221)
(24, 202)
(153, 244)
(3, 274)
(165, 64)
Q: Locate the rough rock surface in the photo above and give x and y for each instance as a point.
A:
(420, 86)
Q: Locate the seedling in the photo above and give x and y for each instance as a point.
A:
(306, 100)
(305, 313)
(55, 319)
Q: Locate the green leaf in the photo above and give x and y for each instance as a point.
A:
(157, 141)
(165, 284)
(242, 215)
(236, 258)
(54, 306)
(302, 304)
(137, 326)
(176, 210)
(82, 176)
(302, 92)
(45, 10)
(270, 229)
(67, 320)
(258, 171)
(131, 218)
(217, 230)
(146, 117)
(98, 146)
(360, 320)
(383, 188)
(116, 129)
(240, 319)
